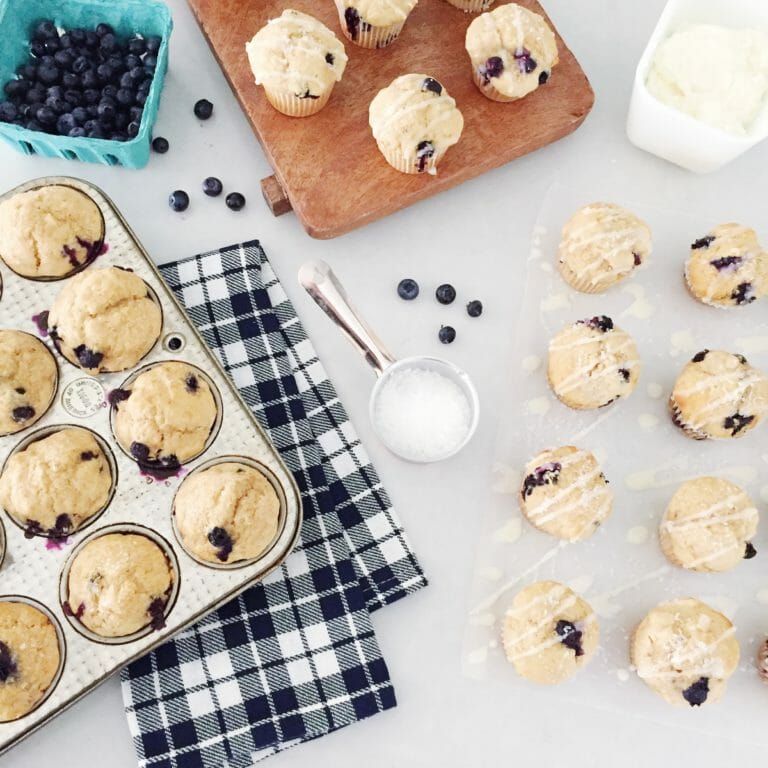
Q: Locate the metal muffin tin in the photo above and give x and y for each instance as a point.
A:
(35, 569)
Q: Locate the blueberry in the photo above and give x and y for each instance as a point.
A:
(430, 84)
(156, 611)
(97, 132)
(48, 74)
(569, 636)
(600, 323)
(106, 110)
(749, 551)
(78, 132)
(126, 81)
(697, 693)
(91, 39)
(8, 668)
(22, 413)
(699, 356)
(446, 334)
(65, 123)
(27, 71)
(35, 95)
(132, 61)
(91, 96)
(45, 29)
(77, 35)
(33, 125)
(59, 106)
(80, 115)
(139, 75)
(212, 186)
(16, 88)
(136, 46)
(150, 64)
(445, 293)
(160, 144)
(80, 64)
(179, 200)
(737, 422)
(546, 474)
(222, 541)
(141, 97)
(64, 58)
(37, 48)
(525, 63)
(424, 151)
(105, 73)
(703, 242)
(329, 59)
(104, 29)
(136, 113)
(139, 451)
(235, 201)
(133, 129)
(109, 91)
(475, 308)
(352, 20)
(543, 78)
(118, 136)
(20, 391)
(624, 373)
(153, 43)
(46, 116)
(8, 112)
(203, 108)
(73, 97)
(494, 67)
(108, 43)
(126, 96)
(89, 79)
(408, 289)
(117, 396)
(62, 526)
(725, 262)
(191, 384)
(66, 41)
(743, 294)
(88, 358)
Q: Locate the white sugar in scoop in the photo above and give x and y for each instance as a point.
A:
(421, 414)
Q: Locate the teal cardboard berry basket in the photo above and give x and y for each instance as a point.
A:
(127, 17)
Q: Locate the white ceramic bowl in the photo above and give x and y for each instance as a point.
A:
(674, 135)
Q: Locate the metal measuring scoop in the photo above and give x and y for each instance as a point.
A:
(323, 286)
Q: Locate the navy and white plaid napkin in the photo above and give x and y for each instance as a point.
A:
(295, 656)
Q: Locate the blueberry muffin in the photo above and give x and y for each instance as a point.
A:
(29, 658)
(28, 380)
(415, 122)
(226, 513)
(57, 483)
(709, 525)
(165, 416)
(373, 23)
(602, 244)
(512, 50)
(686, 652)
(105, 320)
(298, 60)
(118, 584)
(592, 363)
(727, 267)
(718, 395)
(49, 232)
(549, 633)
(565, 493)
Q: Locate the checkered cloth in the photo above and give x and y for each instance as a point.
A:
(295, 656)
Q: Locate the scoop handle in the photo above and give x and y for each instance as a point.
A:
(323, 286)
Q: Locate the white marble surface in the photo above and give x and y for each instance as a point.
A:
(476, 237)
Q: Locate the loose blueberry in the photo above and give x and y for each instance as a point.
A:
(749, 551)
(569, 636)
(475, 308)
(546, 474)
(737, 422)
(492, 68)
(222, 541)
(179, 200)
(22, 413)
(446, 334)
(408, 289)
(235, 201)
(88, 358)
(203, 108)
(212, 186)
(8, 668)
(160, 144)
(699, 356)
(445, 293)
(697, 693)
(703, 242)
(430, 84)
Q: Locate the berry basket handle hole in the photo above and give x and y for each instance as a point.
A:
(275, 196)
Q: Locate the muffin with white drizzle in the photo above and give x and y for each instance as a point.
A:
(727, 267)
(592, 363)
(718, 395)
(565, 493)
(512, 50)
(549, 633)
(415, 122)
(602, 244)
(373, 23)
(708, 525)
(686, 652)
(298, 60)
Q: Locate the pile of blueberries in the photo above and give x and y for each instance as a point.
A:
(408, 289)
(82, 83)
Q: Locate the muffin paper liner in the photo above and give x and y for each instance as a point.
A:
(372, 37)
(584, 285)
(408, 163)
(292, 106)
(472, 6)
(295, 656)
(488, 90)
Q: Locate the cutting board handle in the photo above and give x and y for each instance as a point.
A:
(275, 196)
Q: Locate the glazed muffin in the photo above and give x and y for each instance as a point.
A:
(29, 658)
(373, 23)
(28, 380)
(472, 6)
(298, 60)
(592, 363)
(226, 513)
(512, 51)
(602, 244)
(414, 122)
(118, 584)
(57, 483)
(165, 416)
(727, 267)
(686, 652)
(709, 525)
(565, 493)
(549, 633)
(718, 395)
(105, 320)
(49, 232)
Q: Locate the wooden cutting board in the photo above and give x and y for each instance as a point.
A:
(328, 167)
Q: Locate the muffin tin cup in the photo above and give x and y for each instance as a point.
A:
(35, 566)
(147, 629)
(55, 385)
(273, 481)
(42, 433)
(214, 393)
(62, 651)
